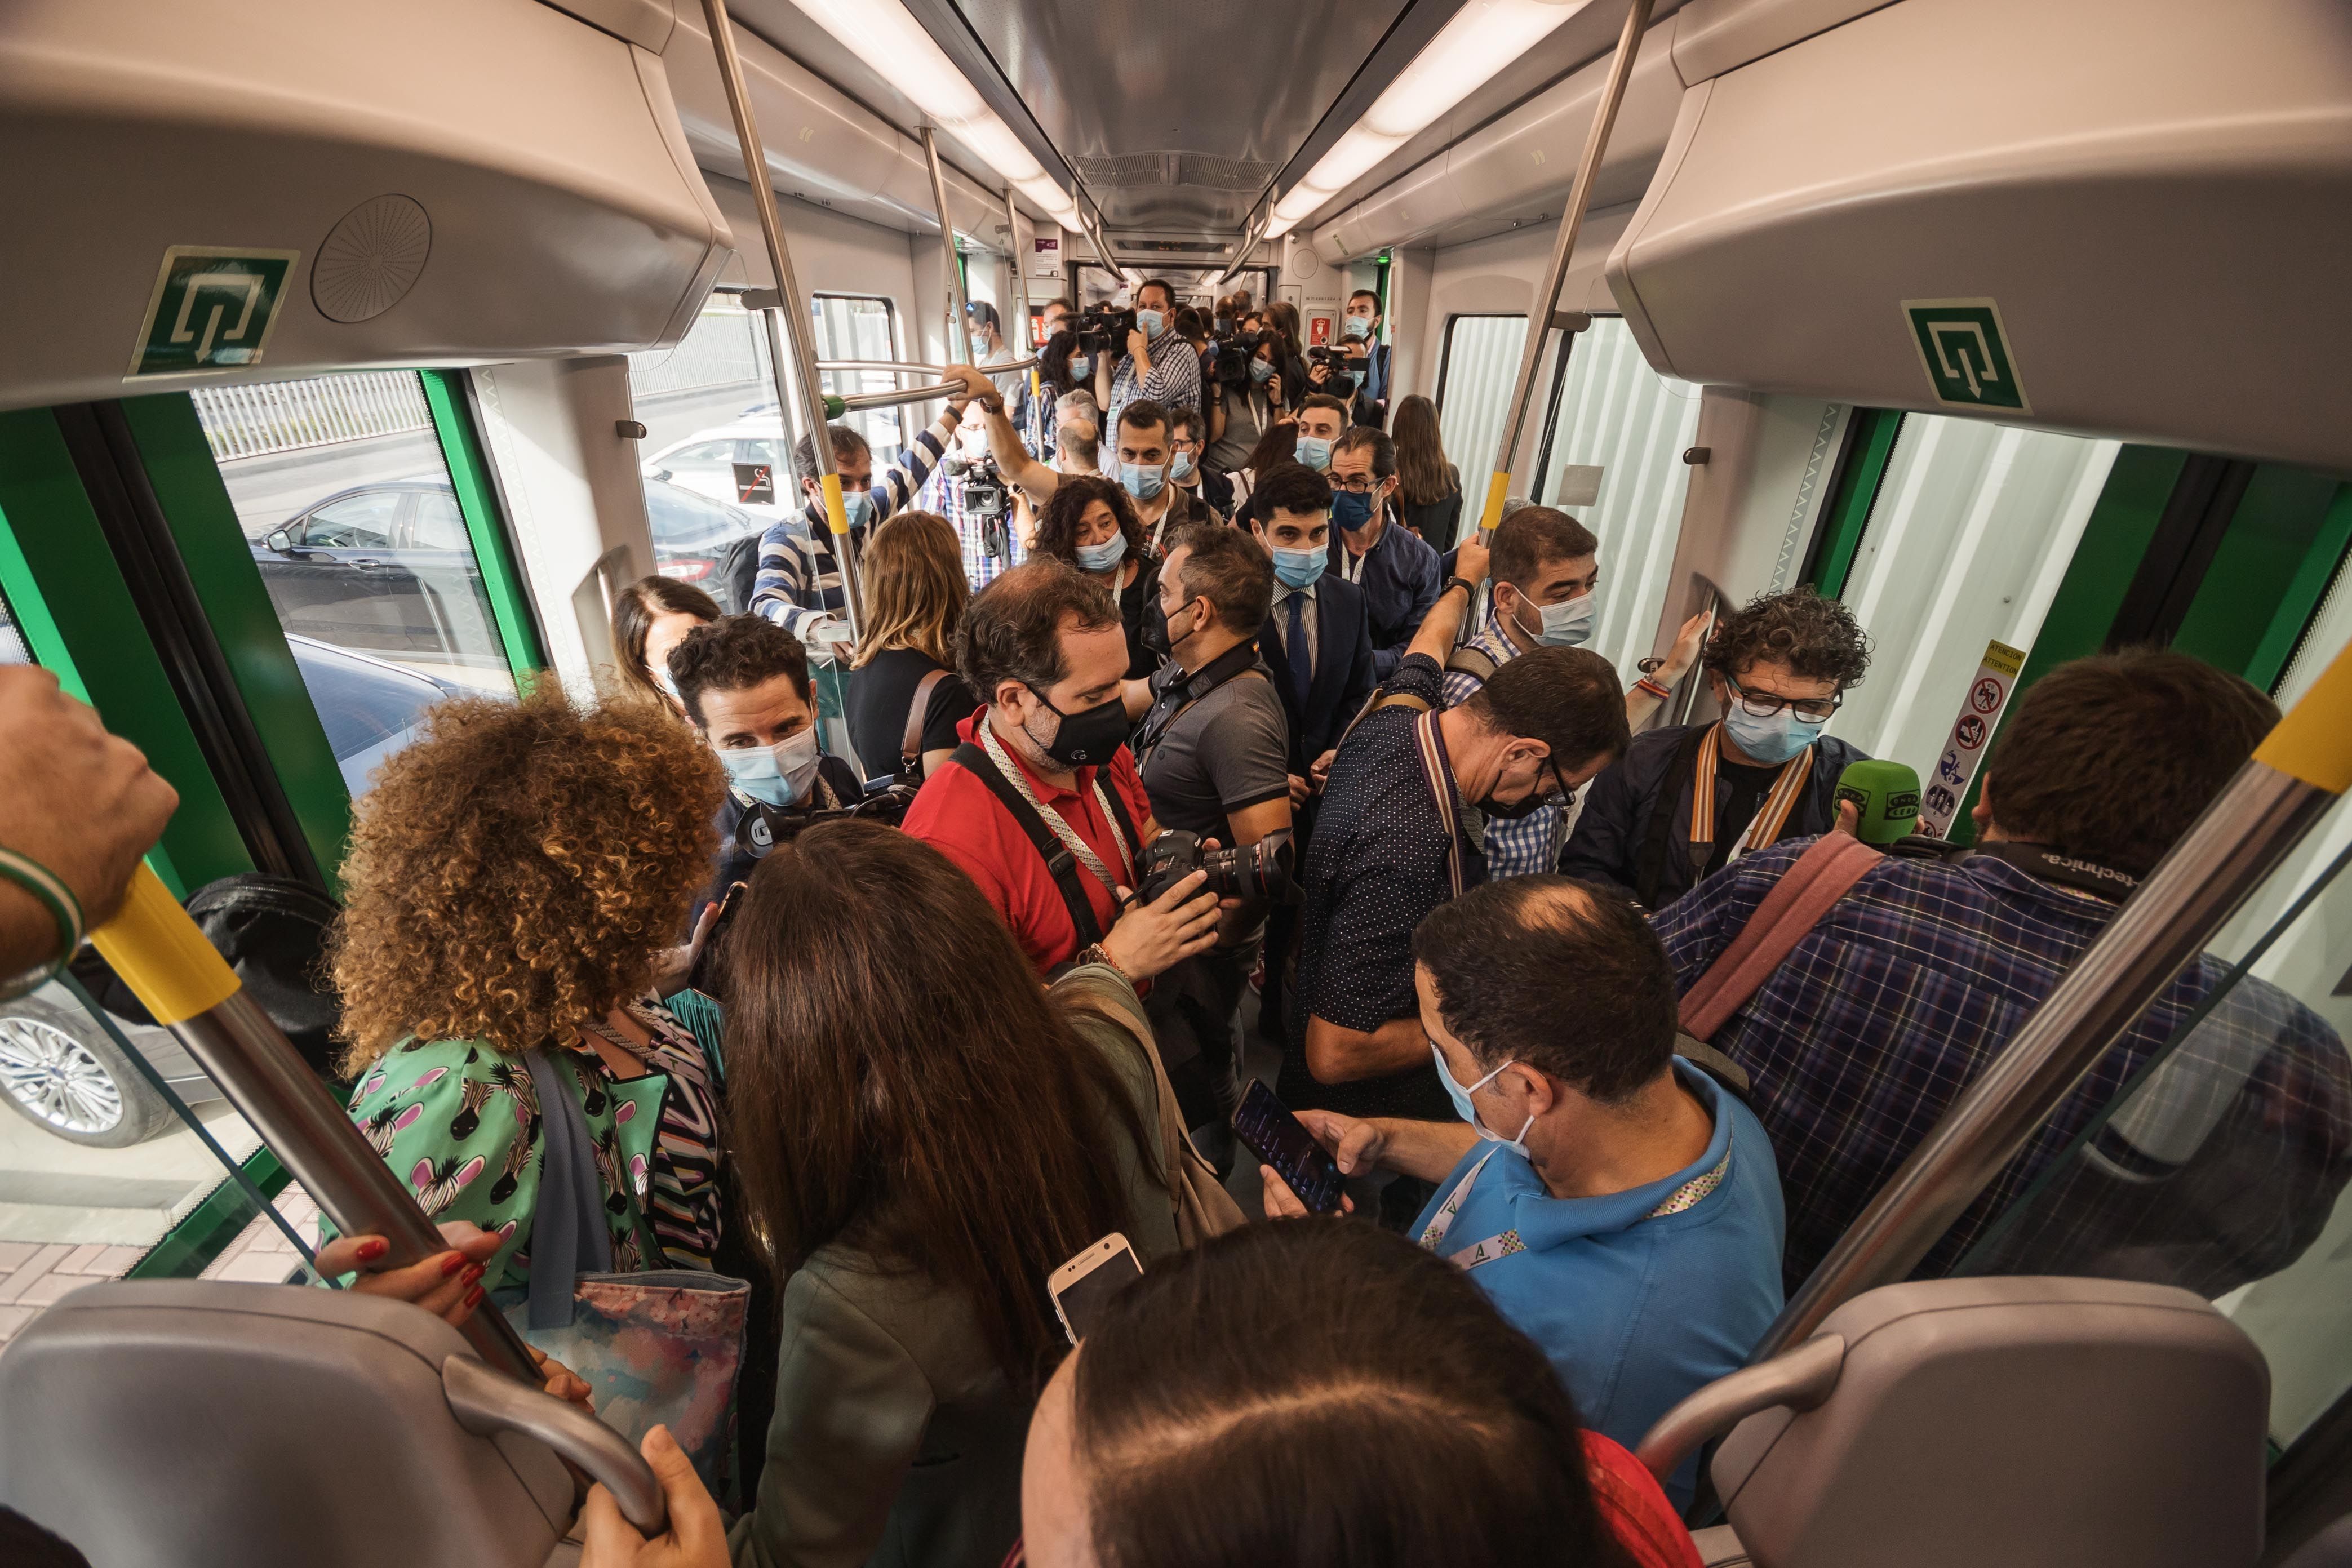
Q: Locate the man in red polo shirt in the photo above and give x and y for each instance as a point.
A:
(1041, 805)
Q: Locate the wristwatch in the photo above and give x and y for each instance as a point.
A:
(1464, 584)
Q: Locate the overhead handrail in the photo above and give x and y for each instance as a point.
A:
(897, 395)
(788, 321)
(1014, 259)
(2291, 779)
(960, 323)
(1541, 319)
(1250, 234)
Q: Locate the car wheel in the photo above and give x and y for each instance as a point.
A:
(61, 1071)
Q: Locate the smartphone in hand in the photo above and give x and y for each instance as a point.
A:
(1082, 1287)
(1282, 1142)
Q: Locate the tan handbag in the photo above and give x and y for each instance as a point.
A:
(1203, 1207)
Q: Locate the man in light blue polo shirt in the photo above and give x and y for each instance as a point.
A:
(1622, 1208)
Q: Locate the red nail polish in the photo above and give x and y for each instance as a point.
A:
(473, 1272)
(374, 1248)
(451, 1263)
(474, 1296)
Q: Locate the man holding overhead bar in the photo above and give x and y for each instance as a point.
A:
(799, 585)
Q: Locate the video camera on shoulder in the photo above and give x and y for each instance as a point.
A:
(1341, 382)
(1260, 871)
(1232, 366)
(1103, 330)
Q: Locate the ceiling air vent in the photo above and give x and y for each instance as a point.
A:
(369, 262)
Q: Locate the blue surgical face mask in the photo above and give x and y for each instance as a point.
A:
(1151, 322)
(1314, 452)
(1103, 557)
(1771, 740)
(1079, 365)
(1300, 567)
(1568, 624)
(1142, 481)
(1469, 1113)
(858, 506)
(1358, 327)
(1182, 468)
(1348, 510)
(774, 775)
(1260, 371)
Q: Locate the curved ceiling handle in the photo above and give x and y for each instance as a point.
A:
(486, 1402)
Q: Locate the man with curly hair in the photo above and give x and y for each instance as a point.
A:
(1689, 799)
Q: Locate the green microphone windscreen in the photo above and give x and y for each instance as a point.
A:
(1888, 794)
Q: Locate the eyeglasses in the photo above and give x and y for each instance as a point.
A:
(1359, 485)
(1764, 704)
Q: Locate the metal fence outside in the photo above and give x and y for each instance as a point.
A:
(725, 348)
(269, 417)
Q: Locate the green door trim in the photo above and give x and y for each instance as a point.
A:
(205, 1232)
(478, 501)
(86, 623)
(1862, 463)
(203, 522)
(2300, 604)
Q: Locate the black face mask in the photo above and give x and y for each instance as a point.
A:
(1494, 810)
(1085, 739)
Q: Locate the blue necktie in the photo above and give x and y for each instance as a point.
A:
(1302, 664)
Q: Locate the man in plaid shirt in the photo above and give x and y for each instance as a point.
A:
(2221, 1170)
(1546, 568)
(1156, 364)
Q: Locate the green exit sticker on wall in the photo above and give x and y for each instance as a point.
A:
(212, 309)
(1965, 353)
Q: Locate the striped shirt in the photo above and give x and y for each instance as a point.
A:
(800, 582)
(1174, 382)
(1532, 844)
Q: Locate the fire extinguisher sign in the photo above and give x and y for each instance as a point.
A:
(1964, 749)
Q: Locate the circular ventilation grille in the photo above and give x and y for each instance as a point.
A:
(369, 262)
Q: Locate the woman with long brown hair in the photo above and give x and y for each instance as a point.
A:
(905, 700)
(1092, 524)
(1428, 488)
(650, 617)
(922, 1136)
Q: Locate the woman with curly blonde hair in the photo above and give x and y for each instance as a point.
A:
(512, 883)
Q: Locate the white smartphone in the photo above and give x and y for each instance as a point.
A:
(1082, 1287)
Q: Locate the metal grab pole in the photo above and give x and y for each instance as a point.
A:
(899, 396)
(960, 328)
(1249, 243)
(2292, 778)
(1020, 289)
(793, 305)
(1571, 221)
(908, 367)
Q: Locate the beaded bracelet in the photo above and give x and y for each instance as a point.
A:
(64, 908)
(1646, 684)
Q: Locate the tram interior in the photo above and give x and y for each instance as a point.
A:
(505, 341)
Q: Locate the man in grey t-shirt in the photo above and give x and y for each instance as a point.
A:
(1213, 748)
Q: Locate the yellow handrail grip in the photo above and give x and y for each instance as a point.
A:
(161, 956)
(836, 516)
(1498, 489)
(2314, 741)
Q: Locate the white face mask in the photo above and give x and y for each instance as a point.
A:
(775, 774)
(1469, 1113)
(1568, 624)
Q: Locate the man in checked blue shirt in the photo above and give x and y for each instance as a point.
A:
(1619, 1206)
(1546, 571)
(799, 585)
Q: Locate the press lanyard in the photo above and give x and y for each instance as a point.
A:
(1686, 1196)
(1077, 846)
(1351, 565)
(1441, 790)
(1771, 817)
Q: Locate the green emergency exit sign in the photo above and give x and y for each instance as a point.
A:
(1965, 353)
(212, 309)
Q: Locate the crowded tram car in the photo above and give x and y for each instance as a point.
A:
(1358, 783)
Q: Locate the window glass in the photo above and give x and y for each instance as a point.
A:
(1474, 393)
(852, 326)
(1971, 533)
(713, 438)
(1617, 434)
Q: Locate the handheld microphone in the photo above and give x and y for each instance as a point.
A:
(1888, 796)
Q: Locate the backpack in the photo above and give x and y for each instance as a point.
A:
(737, 575)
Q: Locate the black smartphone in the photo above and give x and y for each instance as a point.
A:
(1282, 1142)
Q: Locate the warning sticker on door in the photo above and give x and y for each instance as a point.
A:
(1964, 749)
(212, 309)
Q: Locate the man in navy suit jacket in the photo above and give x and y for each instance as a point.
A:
(1317, 645)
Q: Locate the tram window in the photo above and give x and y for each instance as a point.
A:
(863, 327)
(347, 505)
(1474, 391)
(1972, 531)
(1612, 413)
(713, 444)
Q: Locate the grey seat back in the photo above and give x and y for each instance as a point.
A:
(201, 1425)
(2022, 1421)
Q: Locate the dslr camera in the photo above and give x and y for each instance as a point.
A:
(1103, 330)
(987, 500)
(1260, 871)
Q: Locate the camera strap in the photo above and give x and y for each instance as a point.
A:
(1055, 842)
(2069, 872)
(1175, 700)
(911, 744)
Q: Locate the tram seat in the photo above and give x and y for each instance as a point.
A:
(198, 1424)
(2016, 1421)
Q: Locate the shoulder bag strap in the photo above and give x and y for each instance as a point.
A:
(1060, 863)
(1806, 891)
(568, 1236)
(1470, 660)
(1441, 790)
(911, 744)
(1657, 842)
